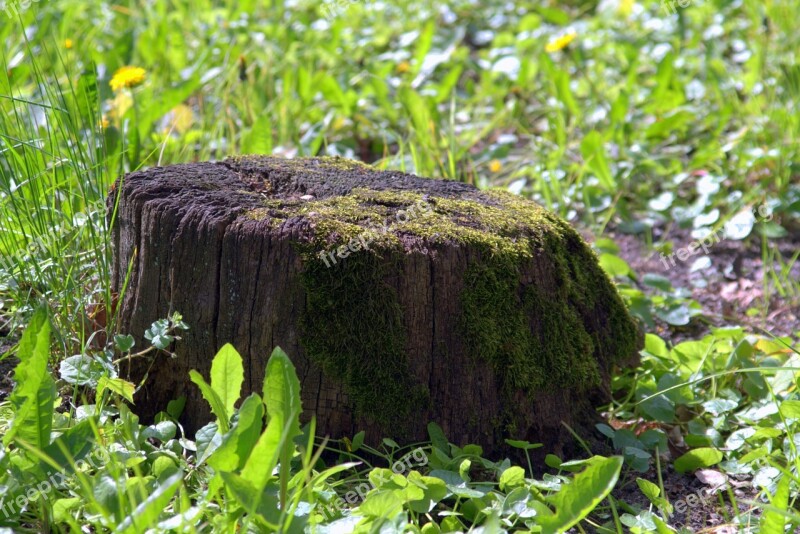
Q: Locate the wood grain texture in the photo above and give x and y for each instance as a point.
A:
(233, 247)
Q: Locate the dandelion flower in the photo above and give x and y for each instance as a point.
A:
(560, 43)
(120, 105)
(127, 77)
(403, 67)
(495, 166)
(104, 123)
(625, 7)
(68, 44)
(180, 119)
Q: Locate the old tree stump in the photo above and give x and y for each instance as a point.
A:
(401, 300)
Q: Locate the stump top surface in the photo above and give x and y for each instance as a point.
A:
(334, 200)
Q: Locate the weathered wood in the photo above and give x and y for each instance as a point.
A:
(478, 310)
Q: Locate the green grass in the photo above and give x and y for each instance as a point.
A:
(645, 119)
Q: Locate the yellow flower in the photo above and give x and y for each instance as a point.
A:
(120, 104)
(403, 67)
(626, 7)
(68, 44)
(181, 119)
(560, 43)
(104, 123)
(127, 77)
(495, 165)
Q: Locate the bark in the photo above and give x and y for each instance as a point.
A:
(485, 314)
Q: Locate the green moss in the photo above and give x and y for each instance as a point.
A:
(563, 332)
(353, 329)
(548, 335)
(499, 222)
(293, 164)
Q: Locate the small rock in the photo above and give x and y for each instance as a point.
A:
(712, 478)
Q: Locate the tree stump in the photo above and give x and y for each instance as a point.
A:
(401, 300)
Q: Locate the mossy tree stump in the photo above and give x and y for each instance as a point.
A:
(401, 300)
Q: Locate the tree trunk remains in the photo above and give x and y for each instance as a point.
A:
(401, 300)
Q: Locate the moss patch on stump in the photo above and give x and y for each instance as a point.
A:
(565, 331)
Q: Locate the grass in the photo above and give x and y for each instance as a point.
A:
(646, 120)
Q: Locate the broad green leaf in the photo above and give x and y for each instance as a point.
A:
(175, 407)
(81, 370)
(227, 375)
(242, 489)
(146, 515)
(614, 265)
(740, 226)
(333, 93)
(207, 440)
(674, 122)
(650, 490)
(423, 45)
(239, 442)
(217, 406)
(448, 83)
(162, 431)
(790, 409)
(661, 527)
(511, 478)
(262, 461)
(561, 80)
(434, 490)
(34, 393)
(576, 500)
(73, 445)
(259, 139)
(63, 509)
(554, 15)
(463, 469)
(282, 389)
(773, 521)
(282, 399)
(594, 154)
(417, 108)
(121, 387)
(657, 281)
(282, 395)
(438, 439)
(697, 458)
(382, 504)
(676, 315)
(358, 441)
(124, 343)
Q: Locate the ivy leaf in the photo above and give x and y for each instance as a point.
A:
(512, 478)
(576, 500)
(697, 458)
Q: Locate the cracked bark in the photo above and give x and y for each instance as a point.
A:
(236, 279)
